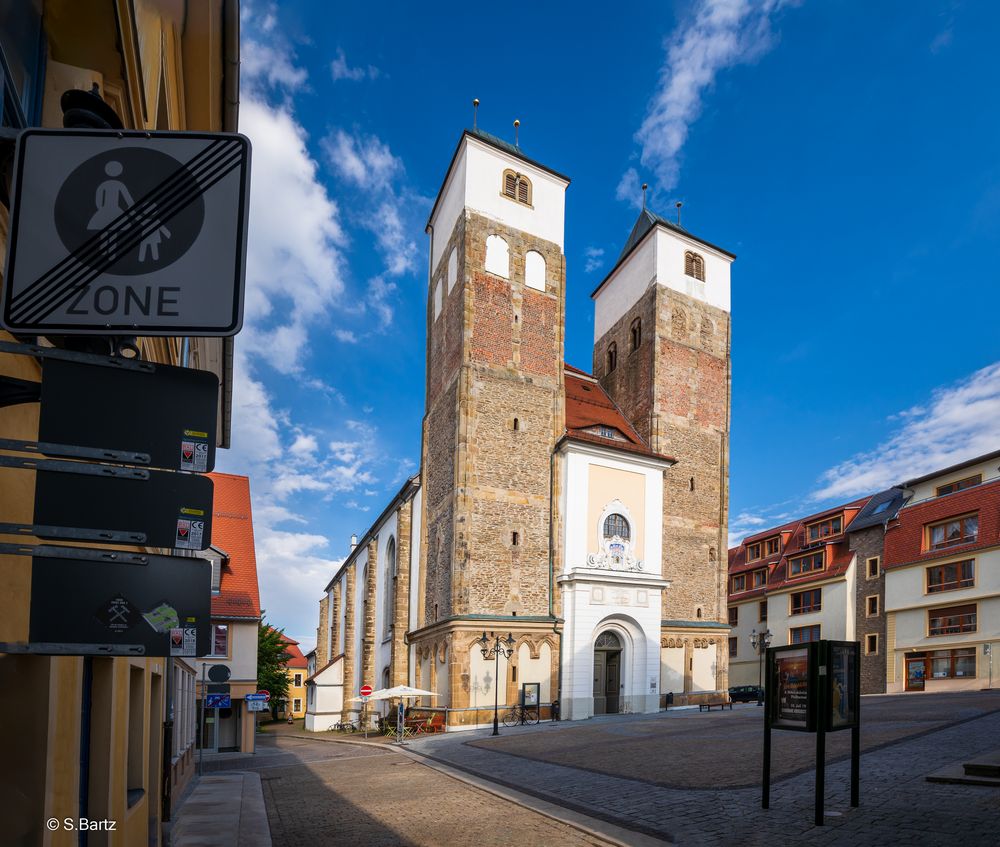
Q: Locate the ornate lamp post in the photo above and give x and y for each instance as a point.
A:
(760, 642)
(493, 650)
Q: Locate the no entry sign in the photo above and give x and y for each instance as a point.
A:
(366, 691)
(125, 233)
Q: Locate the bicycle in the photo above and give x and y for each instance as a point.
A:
(520, 715)
(345, 726)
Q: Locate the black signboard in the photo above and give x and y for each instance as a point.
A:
(843, 665)
(167, 412)
(530, 693)
(115, 608)
(173, 510)
(791, 689)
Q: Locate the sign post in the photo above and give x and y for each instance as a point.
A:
(814, 687)
(366, 692)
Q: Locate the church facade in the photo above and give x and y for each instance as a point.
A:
(584, 514)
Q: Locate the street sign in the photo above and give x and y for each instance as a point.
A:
(259, 696)
(127, 233)
(218, 701)
(266, 693)
(366, 691)
(218, 688)
(166, 412)
(219, 673)
(256, 705)
(171, 509)
(124, 607)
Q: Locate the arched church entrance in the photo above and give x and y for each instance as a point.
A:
(607, 673)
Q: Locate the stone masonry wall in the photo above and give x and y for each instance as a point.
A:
(349, 637)
(335, 613)
(483, 479)
(400, 661)
(368, 618)
(868, 543)
(323, 634)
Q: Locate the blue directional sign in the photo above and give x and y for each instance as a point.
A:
(252, 697)
(218, 701)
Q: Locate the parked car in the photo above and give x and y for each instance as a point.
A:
(746, 693)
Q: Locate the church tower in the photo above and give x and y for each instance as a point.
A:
(662, 352)
(494, 393)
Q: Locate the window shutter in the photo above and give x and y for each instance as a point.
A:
(522, 190)
(699, 268)
(510, 184)
(216, 575)
(689, 264)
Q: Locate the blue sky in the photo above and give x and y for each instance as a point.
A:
(845, 151)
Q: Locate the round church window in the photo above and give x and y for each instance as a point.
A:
(616, 525)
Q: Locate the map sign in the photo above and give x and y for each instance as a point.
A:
(127, 233)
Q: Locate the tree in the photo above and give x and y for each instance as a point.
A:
(271, 660)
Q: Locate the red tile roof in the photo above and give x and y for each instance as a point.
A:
(588, 406)
(793, 535)
(232, 531)
(297, 660)
(904, 537)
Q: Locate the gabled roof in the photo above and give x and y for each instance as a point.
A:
(232, 530)
(794, 543)
(588, 406)
(966, 464)
(646, 221)
(296, 659)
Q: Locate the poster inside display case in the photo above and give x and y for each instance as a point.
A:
(843, 660)
(791, 689)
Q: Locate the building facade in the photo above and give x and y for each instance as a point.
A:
(91, 741)
(297, 669)
(942, 581)
(236, 618)
(581, 514)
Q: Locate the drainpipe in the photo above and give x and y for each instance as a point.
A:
(555, 628)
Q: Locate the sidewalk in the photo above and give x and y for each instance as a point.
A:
(222, 810)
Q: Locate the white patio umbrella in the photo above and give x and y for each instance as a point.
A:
(397, 691)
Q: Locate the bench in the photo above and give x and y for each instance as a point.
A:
(707, 707)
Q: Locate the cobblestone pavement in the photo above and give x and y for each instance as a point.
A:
(897, 804)
(324, 793)
(680, 748)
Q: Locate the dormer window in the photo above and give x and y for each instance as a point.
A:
(607, 432)
(772, 546)
(824, 529)
(694, 265)
(635, 334)
(753, 552)
(517, 187)
(612, 357)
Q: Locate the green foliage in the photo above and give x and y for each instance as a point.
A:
(271, 659)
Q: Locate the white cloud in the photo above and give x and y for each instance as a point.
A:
(339, 69)
(594, 258)
(961, 421)
(345, 335)
(717, 35)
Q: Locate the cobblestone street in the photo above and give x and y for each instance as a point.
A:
(330, 791)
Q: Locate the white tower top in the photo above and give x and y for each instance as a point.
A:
(476, 180)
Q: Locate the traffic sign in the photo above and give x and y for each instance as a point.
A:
(218, 673)
(256, 705)
(218, 701)
(127, 233)
(258, 696)
(366, 691)
(266, 693)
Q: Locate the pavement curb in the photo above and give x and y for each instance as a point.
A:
(608, 832)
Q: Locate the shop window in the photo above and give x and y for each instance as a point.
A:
(953, 664)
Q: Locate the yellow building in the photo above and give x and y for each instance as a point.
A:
(87, 736)
(296, 667)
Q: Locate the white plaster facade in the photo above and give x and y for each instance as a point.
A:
(601, 594)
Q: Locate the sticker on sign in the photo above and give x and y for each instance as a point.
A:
(124, 233)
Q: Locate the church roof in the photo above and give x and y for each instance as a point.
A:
(646, 221)
(589, 408)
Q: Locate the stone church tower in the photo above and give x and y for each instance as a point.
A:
(675, 287)
(494, 393)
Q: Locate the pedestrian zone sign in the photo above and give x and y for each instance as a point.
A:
(127, 233)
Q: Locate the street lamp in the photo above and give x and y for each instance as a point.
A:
(493, 650)
(760, 642)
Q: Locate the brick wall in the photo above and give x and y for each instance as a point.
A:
(867, 543)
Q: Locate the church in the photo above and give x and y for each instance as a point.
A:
(582, 514)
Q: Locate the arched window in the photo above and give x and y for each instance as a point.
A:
(616, 525)
(612, 357)
(608, 641)
(452, 269)
(497, 257)
(517, 187)
(387, 588)
(635, 334)
(534, 270)
(694, 265)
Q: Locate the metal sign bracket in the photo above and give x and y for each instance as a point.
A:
(70, 451)
(107, 536)
(39, 352)
(72, 467)
(57, 551)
